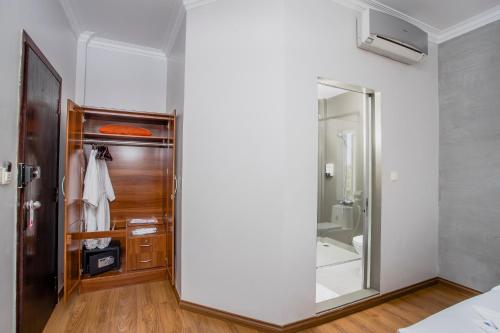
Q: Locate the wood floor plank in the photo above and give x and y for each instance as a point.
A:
(153, 308)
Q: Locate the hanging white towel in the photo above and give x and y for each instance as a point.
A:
(98, 192)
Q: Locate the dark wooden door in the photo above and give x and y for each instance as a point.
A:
(37, 205)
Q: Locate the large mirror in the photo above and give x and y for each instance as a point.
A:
(343, 195)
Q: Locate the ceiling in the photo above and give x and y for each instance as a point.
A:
(155, 23)
(150, 23)
(441, 14)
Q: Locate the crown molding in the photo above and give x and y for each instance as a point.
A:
(81, 65)
(74, 21)
(435, 35)
(85, 37)
(190, 4)
(171, 38)
(114, 45)
(470, 24)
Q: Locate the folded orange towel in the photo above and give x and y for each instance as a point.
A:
(125, 130)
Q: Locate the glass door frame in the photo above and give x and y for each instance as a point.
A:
(371, 122)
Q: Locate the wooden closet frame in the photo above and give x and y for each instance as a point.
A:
(73, 205)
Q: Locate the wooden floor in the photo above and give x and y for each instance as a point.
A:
(152, 307)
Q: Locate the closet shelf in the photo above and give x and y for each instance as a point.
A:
(99, 234)
(93, 112)
(101, 136)
(121, 278)
(106, 274)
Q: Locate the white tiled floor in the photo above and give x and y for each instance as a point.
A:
(323, 293)
(341, 279)
(330, 252)
(339, 271)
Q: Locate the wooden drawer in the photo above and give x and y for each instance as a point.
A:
(146, 252)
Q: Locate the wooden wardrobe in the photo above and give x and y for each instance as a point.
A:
(142, 173)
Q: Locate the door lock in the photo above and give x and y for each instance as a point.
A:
(31, 206)
(27, 173)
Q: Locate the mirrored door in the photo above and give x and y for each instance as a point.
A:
(344, 195)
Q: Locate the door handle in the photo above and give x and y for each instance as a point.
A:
(174, 193)
(62, 187)
(31, 206)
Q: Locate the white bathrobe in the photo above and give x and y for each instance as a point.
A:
(97, 193)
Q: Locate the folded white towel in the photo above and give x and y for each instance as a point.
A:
(151, 220)
(144, 231)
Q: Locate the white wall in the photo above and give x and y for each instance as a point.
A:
(321, 41)
(232, 203)
(175, 101)
(9, 110)
(250, 154)
(46, 23)
(117, 77)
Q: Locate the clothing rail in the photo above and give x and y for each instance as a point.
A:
(127, 143)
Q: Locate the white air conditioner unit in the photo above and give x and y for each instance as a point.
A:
(391, 37)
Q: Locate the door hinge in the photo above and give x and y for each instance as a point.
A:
(55, 283)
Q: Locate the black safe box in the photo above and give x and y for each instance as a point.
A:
(97, 261)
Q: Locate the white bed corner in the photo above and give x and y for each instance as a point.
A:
(460, 318)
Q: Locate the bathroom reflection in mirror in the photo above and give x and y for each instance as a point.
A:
(345, 159)
(342, 116)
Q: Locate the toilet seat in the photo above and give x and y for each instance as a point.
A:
(357, 242)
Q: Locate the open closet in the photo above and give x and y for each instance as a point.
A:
(142, 173)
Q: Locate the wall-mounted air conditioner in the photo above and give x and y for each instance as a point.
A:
(391, 37)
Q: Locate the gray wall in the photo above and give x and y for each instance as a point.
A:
(469, 162)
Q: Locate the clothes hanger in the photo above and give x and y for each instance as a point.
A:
(98, 152)
(103, 153)
(106, 154)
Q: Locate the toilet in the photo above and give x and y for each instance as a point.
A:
(357, 242)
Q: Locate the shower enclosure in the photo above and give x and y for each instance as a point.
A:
(344, 196)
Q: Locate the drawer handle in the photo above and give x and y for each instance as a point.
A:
(145, 261)
(145, 245)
